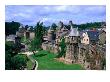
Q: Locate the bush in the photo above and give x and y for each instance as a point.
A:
(19, 62)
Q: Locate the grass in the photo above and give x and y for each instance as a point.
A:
(46, 61)
(29, 64)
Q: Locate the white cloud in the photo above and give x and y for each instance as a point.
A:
(55, 13)
(61, 8)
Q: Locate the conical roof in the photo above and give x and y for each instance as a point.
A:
(74, 32)
(50, 29)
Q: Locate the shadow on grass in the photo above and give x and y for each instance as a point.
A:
(40, 55)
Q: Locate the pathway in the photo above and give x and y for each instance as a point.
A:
(33, 60)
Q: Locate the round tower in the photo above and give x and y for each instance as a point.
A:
(50, 31)
(72, 41)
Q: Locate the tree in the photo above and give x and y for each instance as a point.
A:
(63, 48)
(39, 31)
(9, 49)
(32, 46)
(8, 61)
(13, 60)
(19, 62)
(11, 27)
(90, 25)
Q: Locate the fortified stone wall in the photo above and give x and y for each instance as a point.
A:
(91, 57)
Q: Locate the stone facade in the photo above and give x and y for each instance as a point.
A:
(102, 37)
(21, 31)
(89, 55)
(27, 33)
(72, 42)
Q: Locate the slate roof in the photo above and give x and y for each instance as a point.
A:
(93, 35)
(74, 32)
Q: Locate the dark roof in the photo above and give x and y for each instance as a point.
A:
(101, 31)
(93, 35)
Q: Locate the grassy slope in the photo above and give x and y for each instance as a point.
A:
(46, 61)
(29, 64)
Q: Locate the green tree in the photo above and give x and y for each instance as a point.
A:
(8, 54)
(19, 62)
(12, 59)
(63, 48)
(11, 27)
(32, 46)
(39, 31)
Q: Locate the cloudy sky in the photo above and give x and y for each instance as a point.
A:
(30, 14)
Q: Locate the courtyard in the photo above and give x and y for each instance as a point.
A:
(47, 61)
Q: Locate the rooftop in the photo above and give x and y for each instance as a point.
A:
(74, 32)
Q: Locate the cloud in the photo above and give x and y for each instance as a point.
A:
(61, 8)
(30, 14)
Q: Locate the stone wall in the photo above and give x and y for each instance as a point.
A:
(49, 47)
(91, 57)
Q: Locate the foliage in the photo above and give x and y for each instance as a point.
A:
(30, 64)
(39, 31)
(63, 48)
(90, 25)
(19, 62)
(11, 27)
(32, 46)
(9, 47)
(13, 60)
(86, 25)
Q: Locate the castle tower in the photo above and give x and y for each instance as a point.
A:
(70, 23)
(50, 31)
(60, 25)
(72, 41)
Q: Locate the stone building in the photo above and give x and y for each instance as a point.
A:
(54, 38)
(90, 37)
(21, 31)
(83, 50)
(72, 43)
(62, 31)
(29, 33)
(50, 34)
